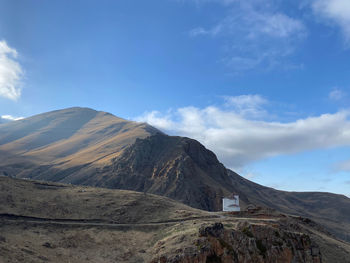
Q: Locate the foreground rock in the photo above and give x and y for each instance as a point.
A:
(247, 243)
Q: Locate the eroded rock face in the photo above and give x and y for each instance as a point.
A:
(176, 167)
(247, 243)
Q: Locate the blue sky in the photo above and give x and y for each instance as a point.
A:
(264, 84)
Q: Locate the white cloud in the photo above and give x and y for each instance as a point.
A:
(336, 94)
(160, 121)
(238, 63)
(8, 118)
(198, 2)
(246, 101)
(250, 176)
(337, 11)
(10, 72)
(238, 140)
(257, 35)
(279, 25)
(11, 118)
(201, 31)
(343, 166)
(250, 106)
(255, 24)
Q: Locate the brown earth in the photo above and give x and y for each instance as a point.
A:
(50, 222)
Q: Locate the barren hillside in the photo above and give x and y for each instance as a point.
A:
(48, 222)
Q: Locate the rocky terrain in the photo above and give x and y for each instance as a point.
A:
(50, 222)
(86, 147)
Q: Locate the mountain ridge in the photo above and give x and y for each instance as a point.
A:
(70, 137)
(107, 151)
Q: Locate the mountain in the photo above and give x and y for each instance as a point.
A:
(64, 140)
(183, 169)
(3, 120)
(51, 222)
(86, 147)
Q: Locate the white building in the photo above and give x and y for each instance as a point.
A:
(231, 204)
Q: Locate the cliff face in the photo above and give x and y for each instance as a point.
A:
(246, 243)
(176, 167)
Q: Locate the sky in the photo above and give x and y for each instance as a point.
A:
(265, 84)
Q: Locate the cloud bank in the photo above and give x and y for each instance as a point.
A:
(263, 34)
(257, 34)
(239, 137)
(343, 166)
(336, 11)
(8, 118)
(336, 94)
(11, 118)
(10, 72)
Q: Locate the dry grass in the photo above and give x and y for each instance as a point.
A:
(140, 240)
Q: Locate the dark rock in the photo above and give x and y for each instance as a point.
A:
(215, 230)
(48, 245)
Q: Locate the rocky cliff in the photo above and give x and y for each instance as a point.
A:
(246, 243)
(176, 167)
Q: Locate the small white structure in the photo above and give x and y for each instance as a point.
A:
(231, 204)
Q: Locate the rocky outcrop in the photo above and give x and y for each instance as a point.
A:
(247, 243)
(176, 167)
(183, 169)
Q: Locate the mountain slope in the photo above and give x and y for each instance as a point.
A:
(330, 210)
(60, 140)
(50, 222)
(182, 169)
(83, 146)
(176, 167)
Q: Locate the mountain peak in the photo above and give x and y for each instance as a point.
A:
(72, 135)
